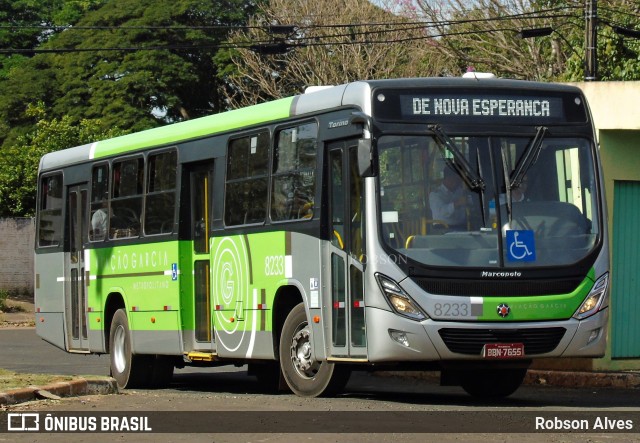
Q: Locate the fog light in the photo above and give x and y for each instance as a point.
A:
(594, 334)
(400, 337)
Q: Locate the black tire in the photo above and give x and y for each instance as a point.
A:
(129, 370)
(492, 384)
(306, 377)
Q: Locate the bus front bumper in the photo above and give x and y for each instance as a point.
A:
(404, 340)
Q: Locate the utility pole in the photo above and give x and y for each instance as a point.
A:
(591, 41)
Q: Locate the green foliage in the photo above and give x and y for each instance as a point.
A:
(33, 23)
(75, 94)
(166, 70)
(483, 34)
(19, 162)
(3, 300)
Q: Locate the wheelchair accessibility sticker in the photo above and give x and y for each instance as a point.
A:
(521, 246)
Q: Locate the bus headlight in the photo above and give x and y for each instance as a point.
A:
(400, 300)
(596, 300)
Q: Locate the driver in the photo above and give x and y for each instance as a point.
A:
(449, 201)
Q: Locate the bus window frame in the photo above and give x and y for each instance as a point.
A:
(95, 165)
(145, 193)
(60, 242)
(247, 135)
(125, 158)
(276, 131)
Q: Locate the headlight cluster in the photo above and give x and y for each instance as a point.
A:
(596, 300)
(399, 299)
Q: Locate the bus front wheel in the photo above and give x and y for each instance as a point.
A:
(128, 369)
(306, 376)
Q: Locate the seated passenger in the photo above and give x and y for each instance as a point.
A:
(99, 221)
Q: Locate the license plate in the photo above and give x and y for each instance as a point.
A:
(503, 350)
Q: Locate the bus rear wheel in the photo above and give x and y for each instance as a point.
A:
(305, 376)
(128, 369)
(492, 384)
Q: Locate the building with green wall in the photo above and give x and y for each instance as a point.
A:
(615, 107)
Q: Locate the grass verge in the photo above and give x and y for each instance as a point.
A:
(13, 380)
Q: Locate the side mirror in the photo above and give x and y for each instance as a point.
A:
(365, 158)
(365, 155)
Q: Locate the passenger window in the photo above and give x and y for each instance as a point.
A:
(294, 163)
(126, 201)
(50, 222)
(246, 190)
(161, 193)
(99, 203)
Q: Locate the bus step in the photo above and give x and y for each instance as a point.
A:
(201, 356)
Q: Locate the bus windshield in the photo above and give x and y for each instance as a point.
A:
(488, 201)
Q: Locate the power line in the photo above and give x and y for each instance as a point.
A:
(541, 14)
(301, 40)
(253, 45)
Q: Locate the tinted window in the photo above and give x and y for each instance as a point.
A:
(50, 221)
(294, 164)
(246, 191)
(99, 203)
(126, 202)
(161, 196)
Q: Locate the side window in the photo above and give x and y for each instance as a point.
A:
(126, 199)
(50, 208)
(99, 203)
(246, 190)
(161, 193)
(294, 163)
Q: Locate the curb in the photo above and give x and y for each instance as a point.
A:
(57, 390)
(560, 379)
(568, 379)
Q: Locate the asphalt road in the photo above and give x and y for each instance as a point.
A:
(224, 405)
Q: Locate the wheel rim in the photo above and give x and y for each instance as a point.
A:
(301, 355)
(119, 355)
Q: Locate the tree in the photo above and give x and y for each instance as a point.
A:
(156, 66)
(27, 24)
(320, 47)
(484, 34)
(19, 163)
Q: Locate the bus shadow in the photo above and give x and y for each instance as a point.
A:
(406, 390)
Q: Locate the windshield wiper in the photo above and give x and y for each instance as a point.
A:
(508, 202)
(461, 165)
(482, 197)
(528, 159)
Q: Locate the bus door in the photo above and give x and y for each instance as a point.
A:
(345, 254)
(201, 183)
(75, 278)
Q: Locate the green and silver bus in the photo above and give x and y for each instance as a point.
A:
(303, 237)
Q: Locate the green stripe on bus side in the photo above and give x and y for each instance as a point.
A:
(252, 266)
(154, 321)
(142, 274)
(538, 308)
(200, 127)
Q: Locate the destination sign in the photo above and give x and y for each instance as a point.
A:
(484, 107)
(478, 107)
